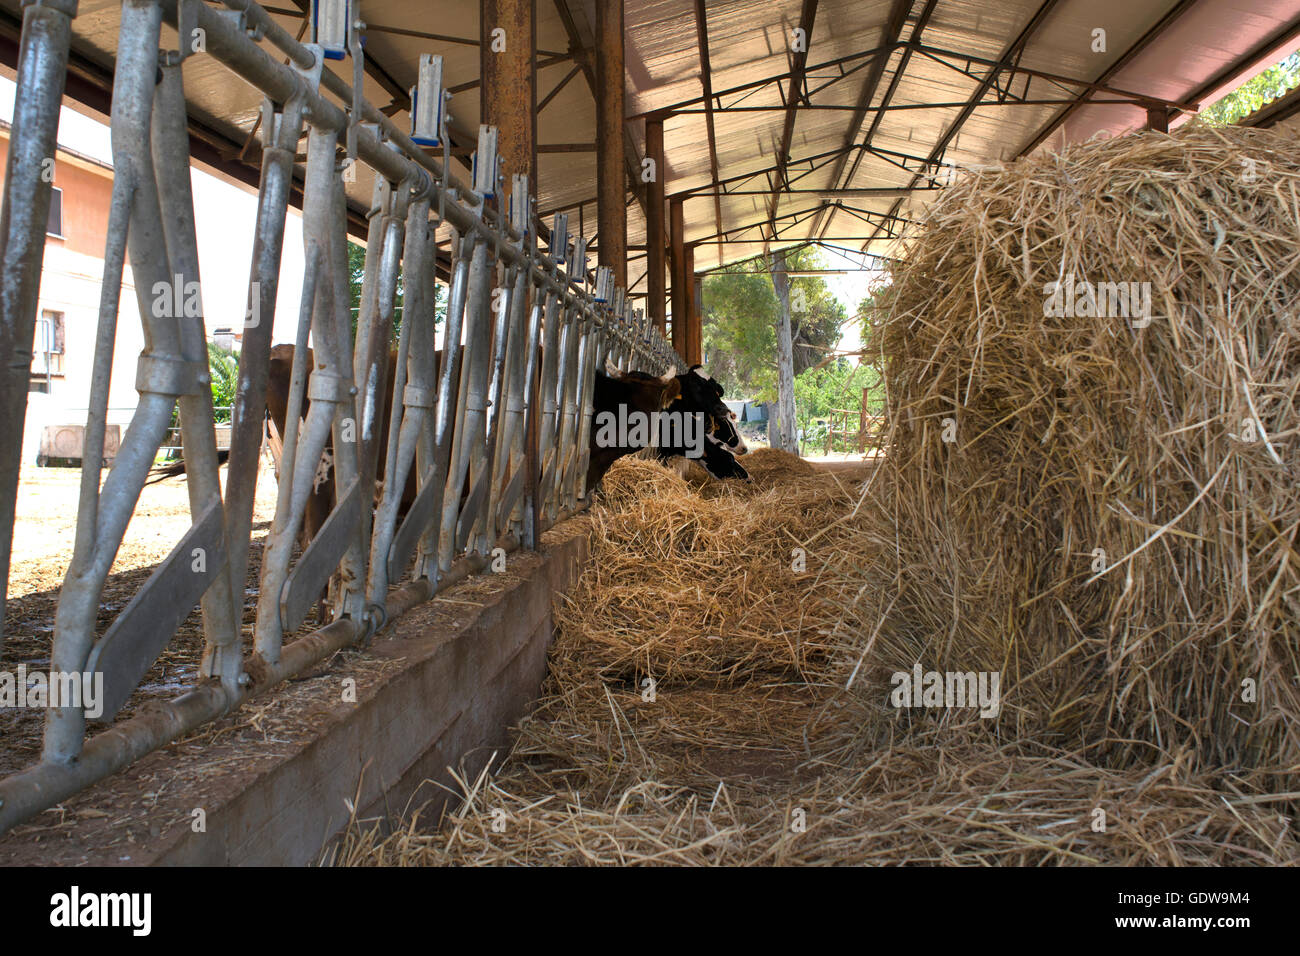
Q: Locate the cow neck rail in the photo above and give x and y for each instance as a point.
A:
(475, 448)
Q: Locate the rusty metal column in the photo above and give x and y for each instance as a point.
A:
(508, 66)
(694, 289)
(654, 226)
(29, 179)
(611, 183)
(680, 294)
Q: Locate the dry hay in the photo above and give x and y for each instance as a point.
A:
(921, 801)
(1166, 455)
(740, 762)
(683, 588)
(768, 468)
(1121, 695)
(768, 462)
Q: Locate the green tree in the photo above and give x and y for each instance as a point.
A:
(356, 274)
(837, 385)
(1255, 93)
(224, 369)
(872, 309)
(223, 366)
(740, 315)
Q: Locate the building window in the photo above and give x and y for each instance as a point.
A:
(54, 224)
(47, 357)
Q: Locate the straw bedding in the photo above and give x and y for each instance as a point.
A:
(767, 734)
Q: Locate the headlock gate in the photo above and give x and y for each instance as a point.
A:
(496, 426)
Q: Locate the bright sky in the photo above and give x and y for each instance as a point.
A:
(850, 290)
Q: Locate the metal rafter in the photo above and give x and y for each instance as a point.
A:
(893, 29)
(1007, 99)
(555, 91)
(796, 93)
(582, 55)
(1010, 55)
(1125, 58)
(749, 87)
(706, 82)
(1065, 83)
(904, 161)
(793, 219)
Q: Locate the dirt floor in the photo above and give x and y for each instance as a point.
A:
(43, 541)
(116, 820)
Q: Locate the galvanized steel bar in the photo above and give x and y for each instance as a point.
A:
(170, 145)
(42, 65)
(100, 525)
(498, 433)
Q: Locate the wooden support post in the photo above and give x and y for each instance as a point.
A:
(508, 65)
(1158, 119)
(680, 279)
(654, 150)
(694, 311)
(611, 179)
(862, 423)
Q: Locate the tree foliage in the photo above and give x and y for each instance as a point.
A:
(871, 310)
(224, 368)
(356, 274)
(838, 385)
(740, 315)
(1255, 93)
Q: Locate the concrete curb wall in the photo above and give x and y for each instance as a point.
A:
(454, 699)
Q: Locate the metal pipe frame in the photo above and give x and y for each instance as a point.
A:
(42, 66)
(506, 416)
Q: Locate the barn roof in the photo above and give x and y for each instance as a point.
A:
(843, 136)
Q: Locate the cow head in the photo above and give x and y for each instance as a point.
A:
(641, 391)
(719, 462)
(702, 393)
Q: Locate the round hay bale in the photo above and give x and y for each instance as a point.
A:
(1093, 362)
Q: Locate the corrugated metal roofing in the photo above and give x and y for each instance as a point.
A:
(955, 81)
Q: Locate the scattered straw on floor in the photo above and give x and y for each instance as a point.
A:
(1112, 527)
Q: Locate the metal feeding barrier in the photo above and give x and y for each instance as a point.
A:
(495, 426)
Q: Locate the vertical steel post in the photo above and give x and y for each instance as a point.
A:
(593, 346)
(694, 311)
(281, 131)
(325, 310)
(654, 225)
(29, 178)
(680, 291)
(464, 252)
(508, 67)
(221, 617)
(467, 432)
(102, 515)
(611, 185)
(413, 394)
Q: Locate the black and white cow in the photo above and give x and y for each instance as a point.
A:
(722, 442)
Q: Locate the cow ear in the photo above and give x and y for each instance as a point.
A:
(672, 391)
